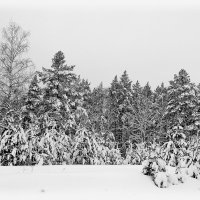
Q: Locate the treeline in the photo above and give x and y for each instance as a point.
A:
(53, 116)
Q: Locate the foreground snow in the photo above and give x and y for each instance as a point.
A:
(87, 182)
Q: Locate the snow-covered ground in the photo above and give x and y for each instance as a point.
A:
(88, 182)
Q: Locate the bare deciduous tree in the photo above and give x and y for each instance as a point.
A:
(15, 69)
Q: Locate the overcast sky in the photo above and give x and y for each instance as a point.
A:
(152, 40)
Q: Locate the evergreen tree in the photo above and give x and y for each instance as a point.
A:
(60, 96)
(125, 109)
(136, 106)
(97, 108)
(34, 96)
(160, 99)
(182, 101)
(83, 89)
(136, 90)
(32, 102)
(147, 92)
(114, 108)
(82, 97)
(143, 119)
(120, 97)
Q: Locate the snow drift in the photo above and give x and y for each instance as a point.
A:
(78, 182)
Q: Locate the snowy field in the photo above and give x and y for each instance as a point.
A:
(88, 182)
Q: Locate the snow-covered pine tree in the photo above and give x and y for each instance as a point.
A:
(160, 99)
(160, 94)
(196, 113)
(60, 97)
(82, 98)
(89, 148)
(137, 90)
(33, 100)
(147, 92)
(182, 101)
(194, 143)
(83, 89)
(14, 149)
(97, 108)
(125, 110)
(175, 147)
(114, 108)
(136, 103)
(145, 113)
(120, 97)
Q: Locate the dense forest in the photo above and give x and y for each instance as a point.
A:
(53, 116)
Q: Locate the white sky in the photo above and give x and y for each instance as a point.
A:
(152, 40)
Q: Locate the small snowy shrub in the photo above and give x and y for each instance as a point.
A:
(149, 167)
(142, 152)
(161, 180)
(52, 148)
(175, 148)
(172, 178)
(165, 179)
(193, 171)
(181, 175)
(133, 156)
(84, 148)
(153, 165)
(156, 167)
(14, 146)
(88, 149)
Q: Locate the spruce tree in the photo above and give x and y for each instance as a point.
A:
(137, 90)
(125, 107)
(120, 97)
(160, 99)
(60, 95)
(97, 108)
(136, 106)
(147, 92)
(84, 91)
(34, 96)
(32, 102)
(144, 115)
(182, 101)
(114, 108)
